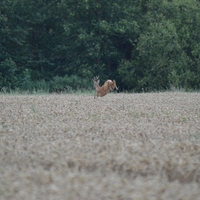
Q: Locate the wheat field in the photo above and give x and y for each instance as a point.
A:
(121, 146)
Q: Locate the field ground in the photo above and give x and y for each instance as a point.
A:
(121, 146)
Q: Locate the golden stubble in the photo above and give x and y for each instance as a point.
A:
(121, 146)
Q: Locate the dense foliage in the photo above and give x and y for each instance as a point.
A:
(60, 44)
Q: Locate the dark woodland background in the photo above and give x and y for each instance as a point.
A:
(59, 45)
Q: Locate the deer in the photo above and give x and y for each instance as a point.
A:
(107, 87)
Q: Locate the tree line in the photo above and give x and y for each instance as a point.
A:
(61, 44)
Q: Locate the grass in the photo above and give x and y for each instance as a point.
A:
(121, 146)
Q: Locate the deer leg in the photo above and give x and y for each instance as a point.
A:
(110, 88)
(96, 96)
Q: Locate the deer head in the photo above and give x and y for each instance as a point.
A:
(96, 82)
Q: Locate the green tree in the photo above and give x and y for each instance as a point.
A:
(8, 77)
(166, 48)
(145, 45)
(102, 34)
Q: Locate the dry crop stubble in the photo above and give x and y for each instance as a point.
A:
(121, 146)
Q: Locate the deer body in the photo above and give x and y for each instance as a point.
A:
(105, 88)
